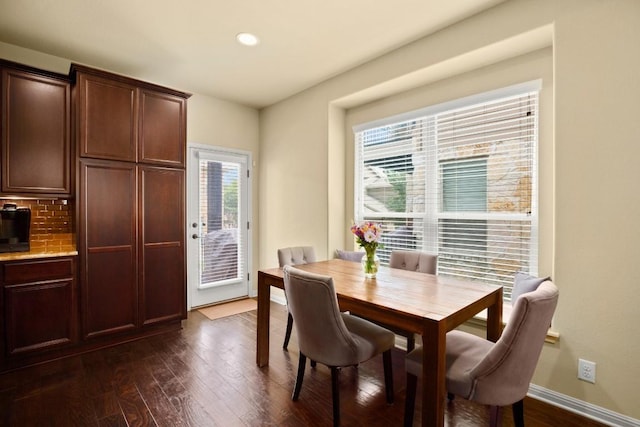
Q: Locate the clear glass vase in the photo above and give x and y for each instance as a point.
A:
(370, 264)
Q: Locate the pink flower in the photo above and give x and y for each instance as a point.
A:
(370, 236)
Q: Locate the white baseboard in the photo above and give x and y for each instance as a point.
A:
(582, 408)
(280, 299)
(551, 397)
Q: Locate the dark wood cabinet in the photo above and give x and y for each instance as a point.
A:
(127, 175)
(162, 246)
(125, 119)
(162, 127)
(131, 204)
(106, 126)
(39, 306)
(36, 141)
(118, 293)
(108, 247)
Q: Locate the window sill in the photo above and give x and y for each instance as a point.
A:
(480, 320)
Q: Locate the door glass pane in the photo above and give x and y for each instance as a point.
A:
(219, 212)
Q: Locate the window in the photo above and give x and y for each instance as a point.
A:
(457, 180)
(219, 213)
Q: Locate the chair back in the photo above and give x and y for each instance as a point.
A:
(502, 377)
(421, 262)
(322, 334)
(296, 255)
(355, 256)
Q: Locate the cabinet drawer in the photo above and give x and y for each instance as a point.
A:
(33, 271)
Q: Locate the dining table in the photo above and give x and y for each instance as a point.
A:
(425, 304)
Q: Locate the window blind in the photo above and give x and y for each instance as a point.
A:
(459, 182)
(219, 222)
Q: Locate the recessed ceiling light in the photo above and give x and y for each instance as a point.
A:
(247, 39)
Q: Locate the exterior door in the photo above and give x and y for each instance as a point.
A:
(218, 225)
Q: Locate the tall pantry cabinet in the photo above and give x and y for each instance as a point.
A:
(131, 145)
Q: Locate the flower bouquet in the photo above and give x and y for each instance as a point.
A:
(368, 237)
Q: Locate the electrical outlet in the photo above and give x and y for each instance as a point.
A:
(587, 370)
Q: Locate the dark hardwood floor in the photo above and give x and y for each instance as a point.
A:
(205, 375)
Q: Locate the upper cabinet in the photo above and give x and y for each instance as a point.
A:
(106, 120)
(125, 119)
(161, 128)
(36, 140)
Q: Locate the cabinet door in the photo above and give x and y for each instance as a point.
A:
(38, 316)
(163, 280)
(107, 119)
(36, 154)
(107, 244)
(39, 305)
(162, 128)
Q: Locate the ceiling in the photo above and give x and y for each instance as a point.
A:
(190, 45)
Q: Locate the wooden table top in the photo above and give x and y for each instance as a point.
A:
(401, 293)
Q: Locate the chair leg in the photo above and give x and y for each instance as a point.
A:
(287, 334)
(335, 392)
(518, 413)
(301, 365)
(410, 400)
(495, 416)
(388, 375)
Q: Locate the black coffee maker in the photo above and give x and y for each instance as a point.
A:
(14, 228)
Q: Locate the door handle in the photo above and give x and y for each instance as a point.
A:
(195, 236)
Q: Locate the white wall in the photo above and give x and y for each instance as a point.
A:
(591, 237)
(295, 173)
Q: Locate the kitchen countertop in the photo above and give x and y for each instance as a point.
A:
(13, 256)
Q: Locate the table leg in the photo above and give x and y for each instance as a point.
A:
(433, 374)
(494, 318)
(264, 311)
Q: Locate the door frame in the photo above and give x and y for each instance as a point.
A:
(191, 256)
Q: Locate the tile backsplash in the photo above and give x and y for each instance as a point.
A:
(51, 224)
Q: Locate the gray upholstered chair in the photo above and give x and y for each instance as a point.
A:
(332, 338)
(294, 255)
(421, 262)
(355, 256)
(495, 374)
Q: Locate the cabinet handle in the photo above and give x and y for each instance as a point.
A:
(194, 236)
